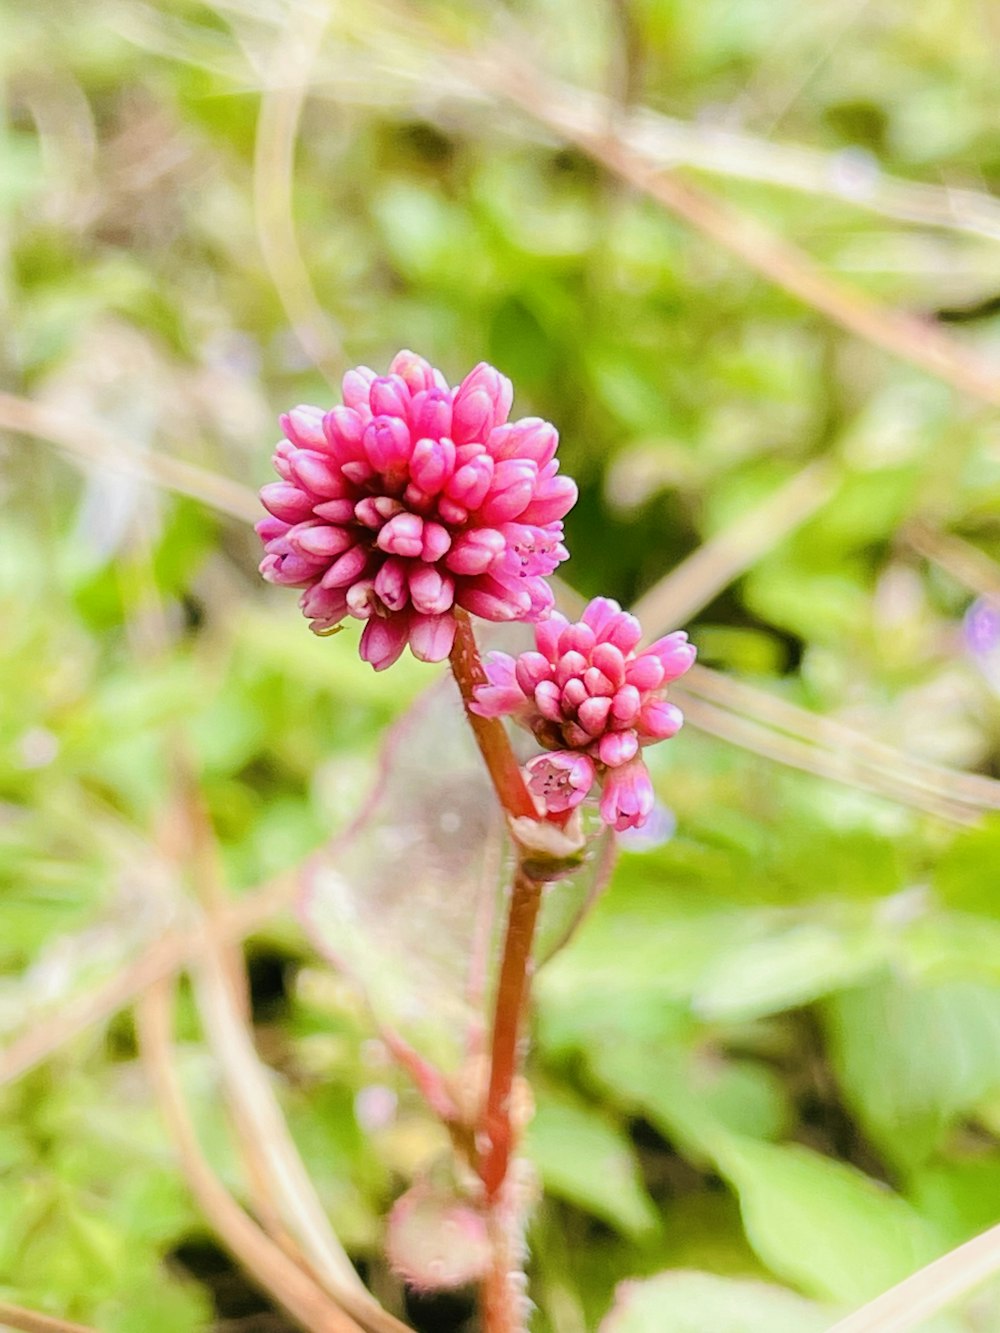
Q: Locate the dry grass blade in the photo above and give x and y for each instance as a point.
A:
(963, 561)
(256, 1109)
(972, 789)
(274, 168)
(840, 766)
(914, 1300)
(265, 1263)
(693, 583)
(91, 442)
(778, 260)
(13, 1316)
(161, 960)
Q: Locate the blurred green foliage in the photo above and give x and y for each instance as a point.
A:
(772, 1053)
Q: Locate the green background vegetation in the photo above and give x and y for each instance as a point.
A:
(773, 1051)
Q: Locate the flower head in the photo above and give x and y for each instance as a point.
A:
(592, 700)
(413, 498)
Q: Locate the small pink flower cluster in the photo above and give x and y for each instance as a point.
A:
(411, 499)
(592, 700)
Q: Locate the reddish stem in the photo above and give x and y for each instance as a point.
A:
(496, 1131)
(516, 967)
(494, 745)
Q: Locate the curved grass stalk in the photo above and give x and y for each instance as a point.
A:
(263, 1260)
(924, 1294)
(273, 173)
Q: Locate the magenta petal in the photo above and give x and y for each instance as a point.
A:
(431, 592)
(346, 568)
(600, 612)
(391, 584)
(675, 654)
(547, 635)
(286, 502)
(475, 551)
(389, 396)
(430, 415)
(432, 464)
(560, 779)
(659, 720)
(431, 637)
(304, 427)
(531, 669)
(356, 386)
(622, 631)
(593, 714)
(416, 373)
(529, 438)
(627, 800)
(320, 540)
(403, 535)
(553, 499)
(617, 747)
(383, 640)
(645, 673)
(626, 704)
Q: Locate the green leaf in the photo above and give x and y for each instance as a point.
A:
(912, 1058)
(692, 1095)
(820, 1223)
(688, 1302)
(967, 876)
(784, 970)
(587, 1161)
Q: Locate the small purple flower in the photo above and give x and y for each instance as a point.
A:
(593, 701)
(411, 499)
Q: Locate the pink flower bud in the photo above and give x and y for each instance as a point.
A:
(529, 438)
(511, 489)
(474, 552)
(432, 637)
(389, 396)
(531, 670)
(383, 640)
(659, 720)
(417, 374)
(553, 499)
(430, 415)
(482, 401)
(593, 714)
(286, 502)
(627, 800)
(402, 535)
(469, 484)
(431, 592)
(387, 444)
(391, 584)
(675, 654)
(409, 497)
(304, 427)
(318, 474)
(617, 747)
(432, 464)
(356, 386)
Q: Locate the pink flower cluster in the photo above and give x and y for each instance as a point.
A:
(412, 499)
(592, 700)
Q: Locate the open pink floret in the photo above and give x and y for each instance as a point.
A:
(593, 700)
(411, 499)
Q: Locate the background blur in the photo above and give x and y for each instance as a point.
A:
(773, 1050)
